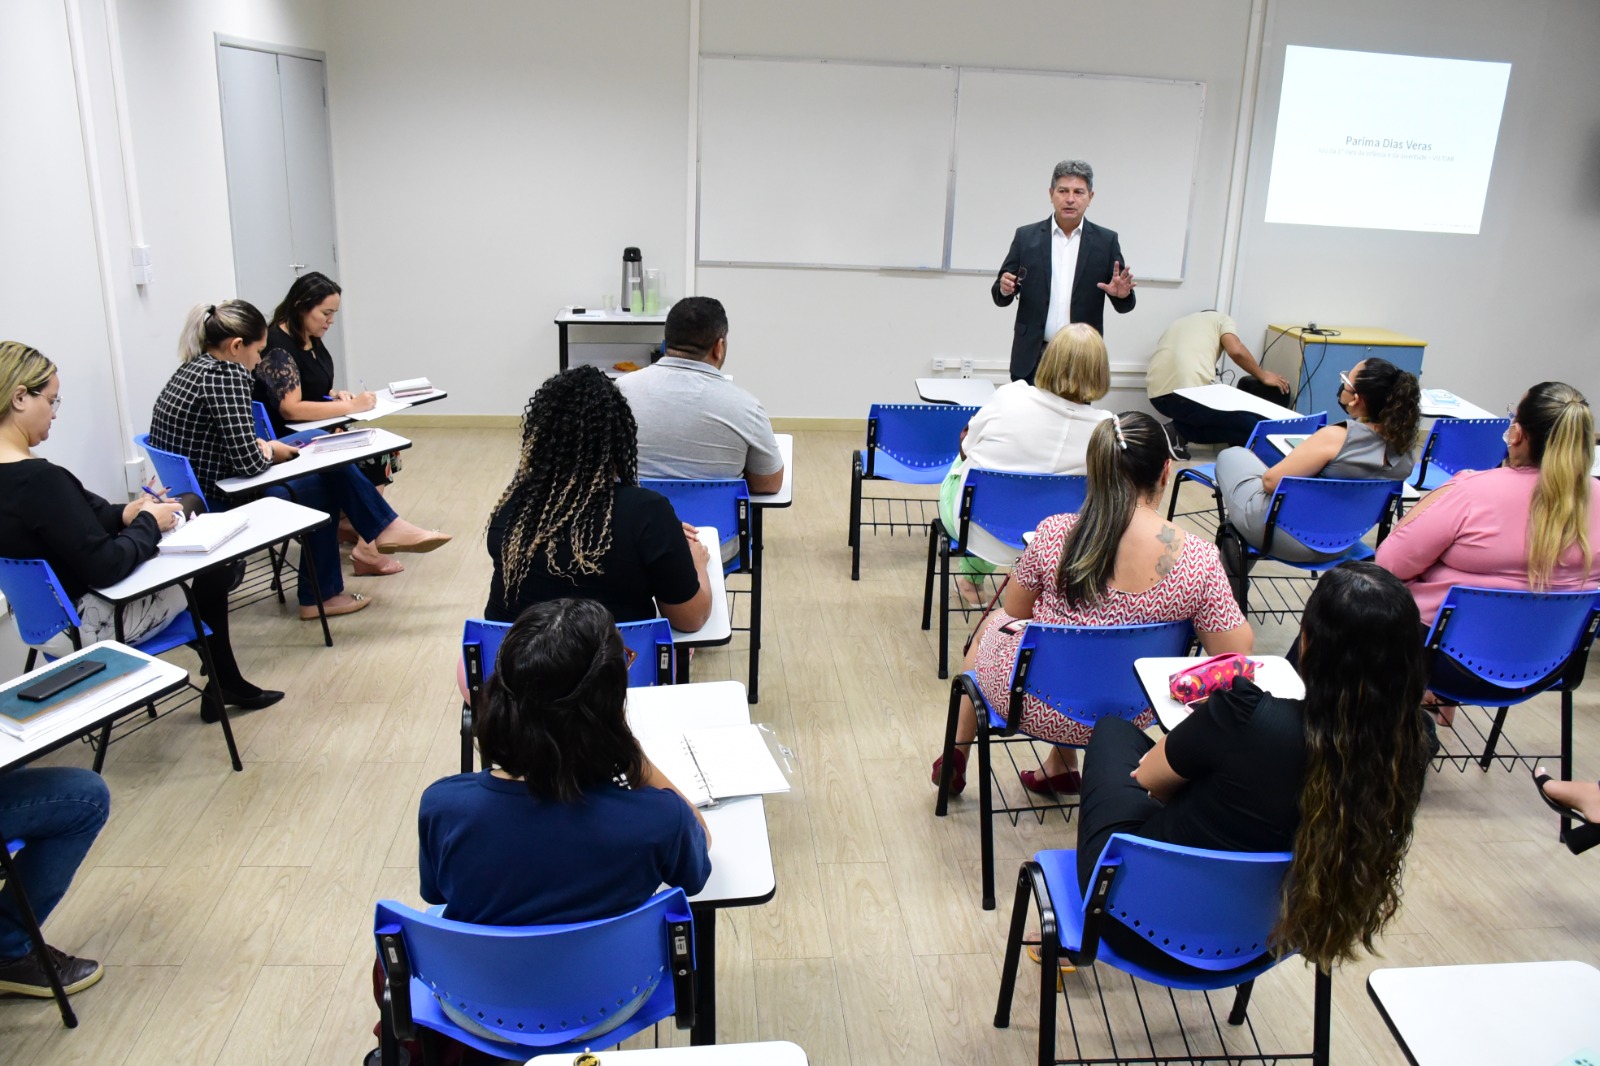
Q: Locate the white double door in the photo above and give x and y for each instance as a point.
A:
(280, 178)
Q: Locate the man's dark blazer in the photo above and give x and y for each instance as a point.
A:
(1098, 250)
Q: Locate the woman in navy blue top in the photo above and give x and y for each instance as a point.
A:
(570, 822)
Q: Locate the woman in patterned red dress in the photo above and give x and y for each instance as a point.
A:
(1118, 562)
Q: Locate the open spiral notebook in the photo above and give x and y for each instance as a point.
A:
(715, 763)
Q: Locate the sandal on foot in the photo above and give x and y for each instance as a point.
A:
(958, 770)
(430, 539)
(357, 602)
(1066, 783)
(382, 568)
(1578, 838)
(1540, 779)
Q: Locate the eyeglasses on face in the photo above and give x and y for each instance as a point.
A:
(1344, 379)
(54, 401)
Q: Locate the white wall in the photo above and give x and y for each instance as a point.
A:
(813, 342)
(491, 161)
(1500, 310)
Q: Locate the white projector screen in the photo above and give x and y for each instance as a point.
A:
(1379, 141)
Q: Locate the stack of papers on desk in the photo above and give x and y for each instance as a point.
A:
(401, 390)
(1440, 398)
(338, 442)
(203, 533)
(715, 763)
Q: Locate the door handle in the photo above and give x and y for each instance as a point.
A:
(297, 267)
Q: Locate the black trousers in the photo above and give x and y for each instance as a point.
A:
(1197, 422)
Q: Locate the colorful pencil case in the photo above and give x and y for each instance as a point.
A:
(1216, 673)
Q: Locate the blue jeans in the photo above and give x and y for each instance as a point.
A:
(341, 489)
(57, 811)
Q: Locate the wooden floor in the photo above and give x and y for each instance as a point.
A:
(233, 910)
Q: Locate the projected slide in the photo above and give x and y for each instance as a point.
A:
(1384, 141)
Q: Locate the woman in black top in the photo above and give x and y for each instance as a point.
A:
(1335, 777)
(46, 513)
(574, 521)
(294, 382)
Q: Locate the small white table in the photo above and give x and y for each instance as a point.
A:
(767, 1053)
(1273, 675)
(741, 849)
(719, 625)
(312, 461)
(387, 404)
(1221, 397)
(93, 710)
(758, 506)
(1533, 1013)
(962, 392)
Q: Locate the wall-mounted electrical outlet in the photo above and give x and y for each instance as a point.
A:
(967, 367)
(938, 364)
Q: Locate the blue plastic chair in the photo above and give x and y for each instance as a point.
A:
(1210, 914)
(1206, 473)
(1083, 672)
(43, 609)
(30, 925)
(1005, 506)
(517, 991)
(650, 641)
(1498, 648)
(174, 470)
(264, 430)
(1326, 514)
(1457, 444)
(723, 505)
(908, 444)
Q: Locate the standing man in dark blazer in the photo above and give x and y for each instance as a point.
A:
(1064, 268)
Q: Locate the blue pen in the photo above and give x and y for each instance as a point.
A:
(159, 497)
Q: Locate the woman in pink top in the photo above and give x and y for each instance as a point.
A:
(1116, 563)
(1525, 525)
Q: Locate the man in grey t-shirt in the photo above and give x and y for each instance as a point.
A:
(694, 422)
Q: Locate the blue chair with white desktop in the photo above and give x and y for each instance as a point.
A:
(43, 610)
(997, 508)
(1457, 444)
(517, 991)
(1210, 914)
(1205, 474)
(1083, 672)
(907, 444)
(650, 662)
(1499, 648)
(1327, 514)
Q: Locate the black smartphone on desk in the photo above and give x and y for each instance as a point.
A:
(60, 680)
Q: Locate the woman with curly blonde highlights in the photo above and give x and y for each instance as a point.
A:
(1335, 778)
(574, 521)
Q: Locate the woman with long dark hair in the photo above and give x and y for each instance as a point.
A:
(574, 521)
(1116, 562)
(1375, 442)
(1335, 778)
(203, 413)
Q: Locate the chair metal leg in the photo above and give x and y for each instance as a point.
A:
(947, 768)
(204, 645)
(1487, 759)
(986, 816)
(944, 608)
(100, 748)
(757, 582)
(934, 530)
(1241, 1002)
(1008, 969)
(316, 590)
(1322, 1020)
(466, 738)
(33, 656)
(1172, 504)
(855, 517)
(1049, 978)
(1566, 749)
(30, 925)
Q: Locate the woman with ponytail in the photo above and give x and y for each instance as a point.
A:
(1335, 778)
(1117, 562)
(1526, 525)
(1374, 443)
(203, 413)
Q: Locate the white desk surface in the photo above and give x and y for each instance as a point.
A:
(1533, 1013)
(785, 494)
(386, 405)
(271, 520)
(1460, 409)
(311, 461)
(1273, 675)
(741, 850)
(1281, 441)
(1221, 397)
(719, 627)
(963, 392)
(84, 712)
(594, 316)
(767, 1053)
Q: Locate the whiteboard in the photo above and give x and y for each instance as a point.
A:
(818, 163)
(1141, 136)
